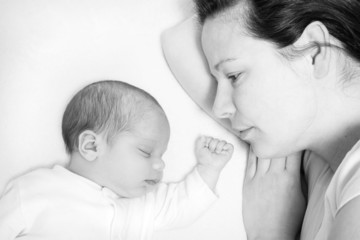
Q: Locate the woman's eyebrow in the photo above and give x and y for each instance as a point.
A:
(217, 66)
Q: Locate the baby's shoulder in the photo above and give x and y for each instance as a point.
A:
(36, 175)
(37, 180)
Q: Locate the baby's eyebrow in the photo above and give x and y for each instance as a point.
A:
(146, 142)
(145, 146)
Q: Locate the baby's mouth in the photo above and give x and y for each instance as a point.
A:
(152, 182)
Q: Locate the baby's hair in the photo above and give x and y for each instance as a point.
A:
(108, 107)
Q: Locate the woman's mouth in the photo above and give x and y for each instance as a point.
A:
(244, 134)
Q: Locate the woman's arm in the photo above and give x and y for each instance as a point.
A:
(273, 201)
(182, 50)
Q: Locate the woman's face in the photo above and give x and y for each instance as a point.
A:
(270, 103)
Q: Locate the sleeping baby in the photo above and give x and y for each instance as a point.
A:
(116, 135)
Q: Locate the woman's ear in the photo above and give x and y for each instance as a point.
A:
(89, 143)
(316, 34)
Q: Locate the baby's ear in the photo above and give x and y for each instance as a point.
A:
(89, 145)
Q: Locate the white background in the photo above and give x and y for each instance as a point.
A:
(49, 49)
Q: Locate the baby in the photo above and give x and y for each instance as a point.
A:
(116, 135)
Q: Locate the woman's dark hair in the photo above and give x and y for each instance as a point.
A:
(283, 21)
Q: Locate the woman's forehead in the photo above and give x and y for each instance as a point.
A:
(216, 35)
(228, 47)
(224, 41)
(219, 25)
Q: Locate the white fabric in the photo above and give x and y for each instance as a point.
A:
(49, 49)
(58, 204)
(329, 192)
(344, 186)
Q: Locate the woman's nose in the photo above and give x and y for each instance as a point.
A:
(158, 164)
(223, 106)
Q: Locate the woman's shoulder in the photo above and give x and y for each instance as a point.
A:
(350, 165)
(345, 184)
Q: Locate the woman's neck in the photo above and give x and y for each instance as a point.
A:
(334, 150)
(339, 126)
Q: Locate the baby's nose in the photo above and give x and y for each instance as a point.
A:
(159, 165)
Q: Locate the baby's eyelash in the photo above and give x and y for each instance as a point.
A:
(145, 153)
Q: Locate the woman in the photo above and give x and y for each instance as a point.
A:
(283, 76)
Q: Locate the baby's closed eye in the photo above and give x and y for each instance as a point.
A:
(145, 153)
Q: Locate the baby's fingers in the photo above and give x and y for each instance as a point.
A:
(213, 144)
(219, 146)
(203, 142)
(228, 148)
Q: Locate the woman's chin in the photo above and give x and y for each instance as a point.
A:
(265, 152)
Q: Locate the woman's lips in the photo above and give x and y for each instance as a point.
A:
(244, 134)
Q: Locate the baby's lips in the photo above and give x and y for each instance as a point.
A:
(152, 182)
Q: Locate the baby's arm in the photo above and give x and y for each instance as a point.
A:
(179, 204)
(212, 155)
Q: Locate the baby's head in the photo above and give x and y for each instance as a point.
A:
(116, 135)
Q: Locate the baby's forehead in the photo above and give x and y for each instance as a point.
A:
(144, 140)
(154, 119)
(141, 110)
(150, 133)
(151, 111)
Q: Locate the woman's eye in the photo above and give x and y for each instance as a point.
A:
(234, 77)
(145, 153)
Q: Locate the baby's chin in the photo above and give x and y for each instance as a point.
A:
(150, 185)
(139, 192)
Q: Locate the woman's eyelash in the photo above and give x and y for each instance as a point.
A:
(234, 77)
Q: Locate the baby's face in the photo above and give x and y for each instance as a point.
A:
(133, 164)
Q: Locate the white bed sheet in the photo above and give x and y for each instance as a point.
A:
(49, 49)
